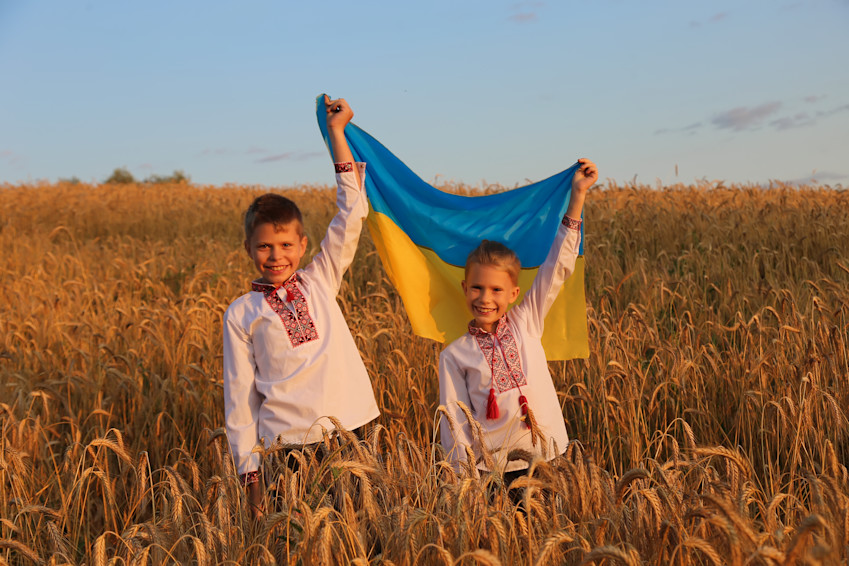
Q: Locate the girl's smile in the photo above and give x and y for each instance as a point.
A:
(489, 292)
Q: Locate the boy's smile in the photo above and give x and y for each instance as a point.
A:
(276, 252)
(489, 291)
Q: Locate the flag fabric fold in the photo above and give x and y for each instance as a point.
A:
(423, 236)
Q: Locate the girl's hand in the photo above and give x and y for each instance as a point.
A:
(338, 113)
(256, 501)
(586, 175)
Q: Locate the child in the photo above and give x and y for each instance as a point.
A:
(289, 359)
(498, 368)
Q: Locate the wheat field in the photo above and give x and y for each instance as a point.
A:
(709, 422)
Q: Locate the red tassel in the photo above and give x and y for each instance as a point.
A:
(523, 403)
(289, 296)
(491, 405)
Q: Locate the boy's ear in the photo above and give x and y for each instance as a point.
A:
(463, 285)
(248, 247)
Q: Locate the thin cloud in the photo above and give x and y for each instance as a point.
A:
(789, 122)
(814, 98)
(11, 158)
(745, 118)
(217, 151)
(290, 156)
(259, 151)
(224, 151)
(833, 111)
(716, 18)
(802, 119)
(279, 157)
(691, 129)
(817, 177)
(524, 17)
(525, 12)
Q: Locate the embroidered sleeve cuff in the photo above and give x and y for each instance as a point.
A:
(571, 223)
(249, 478)
(345, 167)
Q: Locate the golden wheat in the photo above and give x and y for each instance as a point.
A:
(710, 420)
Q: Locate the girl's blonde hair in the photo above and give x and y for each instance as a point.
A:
(498, 255)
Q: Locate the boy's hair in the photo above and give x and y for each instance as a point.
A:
(498, 255)
(276, 209)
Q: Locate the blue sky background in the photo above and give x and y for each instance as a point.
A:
(467, 91)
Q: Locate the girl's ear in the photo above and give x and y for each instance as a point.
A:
(514, 294)
(248, 247)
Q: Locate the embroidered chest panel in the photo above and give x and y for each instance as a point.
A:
(502, 356)
(295, 315)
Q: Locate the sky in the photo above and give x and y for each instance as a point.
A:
(463, 91)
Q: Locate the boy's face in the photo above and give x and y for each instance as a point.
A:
(276, 252)
(489, 291)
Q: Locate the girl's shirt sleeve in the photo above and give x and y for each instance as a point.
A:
(558, 265)
(455, 433)
(241, 399)
(343, 234)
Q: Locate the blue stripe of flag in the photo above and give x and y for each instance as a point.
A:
(525, 219)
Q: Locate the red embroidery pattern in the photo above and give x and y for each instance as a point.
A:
(299, 324)
(346, 167)
(571, 223)
(249, 478)
(504, 361)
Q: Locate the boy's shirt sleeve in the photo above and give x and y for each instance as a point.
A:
(455, 433)
(241, 399)
(343, 234)
(558, 265)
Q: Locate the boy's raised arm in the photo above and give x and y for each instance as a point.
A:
(340, 242)
(338, 116)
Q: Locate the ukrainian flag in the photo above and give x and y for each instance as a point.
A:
(423, 236)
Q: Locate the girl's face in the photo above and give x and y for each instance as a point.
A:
(489, 292)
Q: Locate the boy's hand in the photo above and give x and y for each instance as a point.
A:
(338, 116)
(338, 113)
(586, 175)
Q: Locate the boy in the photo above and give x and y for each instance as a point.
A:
(498, 368)
(289, 359)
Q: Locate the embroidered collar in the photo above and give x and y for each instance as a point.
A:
(501, 353)
(294, 312)
(500, 328)
(267, 288)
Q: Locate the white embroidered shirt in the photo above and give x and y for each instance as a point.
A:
(512, 362)
(289, 358)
